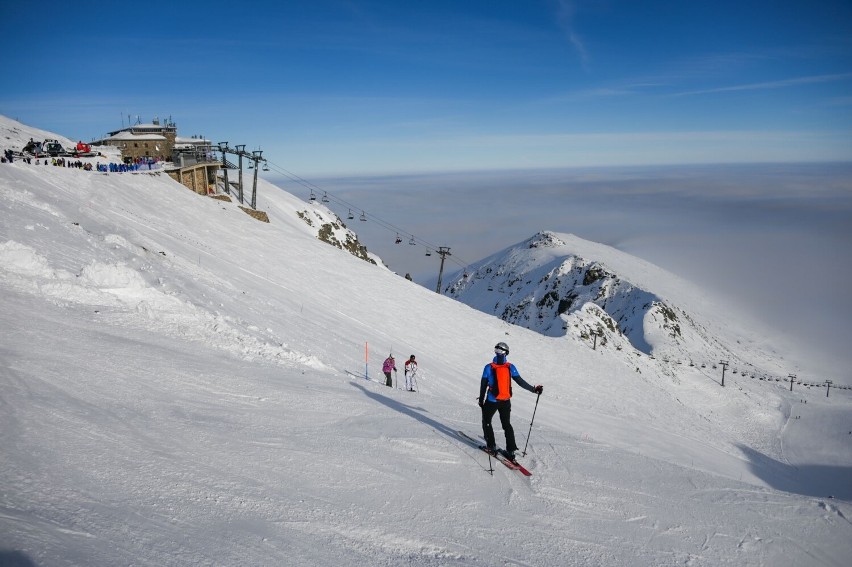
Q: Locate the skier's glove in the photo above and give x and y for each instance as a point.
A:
(538, 389)
(481, 403)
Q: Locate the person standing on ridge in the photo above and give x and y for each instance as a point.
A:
(388, 366)
(495, 393)
(410, 371)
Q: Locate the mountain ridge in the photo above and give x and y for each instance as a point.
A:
(558, 284)
(177, 370)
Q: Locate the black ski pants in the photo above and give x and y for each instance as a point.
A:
(488, 411)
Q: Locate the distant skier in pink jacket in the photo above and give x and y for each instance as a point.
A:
(388, 366)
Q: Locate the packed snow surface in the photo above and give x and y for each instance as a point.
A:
(182, 384)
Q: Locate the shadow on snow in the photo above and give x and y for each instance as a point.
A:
(413, 413)
(822, 481)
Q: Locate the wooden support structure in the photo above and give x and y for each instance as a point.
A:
(200, 178)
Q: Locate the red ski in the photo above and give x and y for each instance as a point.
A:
(499, 454)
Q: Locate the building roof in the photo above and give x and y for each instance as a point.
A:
(129, 136)
(147, 128)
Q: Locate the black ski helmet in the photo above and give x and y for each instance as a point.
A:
(502, 346)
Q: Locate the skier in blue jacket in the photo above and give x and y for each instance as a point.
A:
(495, 393)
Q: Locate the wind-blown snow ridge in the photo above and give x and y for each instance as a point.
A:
(126, 298)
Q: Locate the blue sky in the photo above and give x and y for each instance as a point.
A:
(333, 87)
(475, 124)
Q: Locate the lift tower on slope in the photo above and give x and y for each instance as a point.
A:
(443, 252)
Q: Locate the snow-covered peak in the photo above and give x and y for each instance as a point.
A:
(559, 284)
(545, 239)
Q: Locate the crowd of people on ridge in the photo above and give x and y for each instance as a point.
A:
(138, 164)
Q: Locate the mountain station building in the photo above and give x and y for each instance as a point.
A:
(152, 140)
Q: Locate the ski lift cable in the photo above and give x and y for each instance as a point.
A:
(327, 197)
(294, 178)
(333, 198)
(416, 240)
(364, 214)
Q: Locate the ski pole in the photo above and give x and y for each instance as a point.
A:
(531, 422)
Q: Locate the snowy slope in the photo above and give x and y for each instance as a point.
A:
(15, 135)
(559, 284)
(176, 390)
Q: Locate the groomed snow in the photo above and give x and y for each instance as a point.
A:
(180, 386)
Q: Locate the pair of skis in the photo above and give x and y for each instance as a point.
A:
(500, 455)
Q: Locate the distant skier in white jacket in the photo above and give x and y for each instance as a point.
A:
(410, 372)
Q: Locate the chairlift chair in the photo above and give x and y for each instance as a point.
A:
(325, 197)
(265, 167)
(412, 242)
(428, 252)
(313, 197)
(398, 239)
(363, 216)
(351, 216)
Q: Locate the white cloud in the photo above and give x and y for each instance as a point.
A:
(785, 83)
